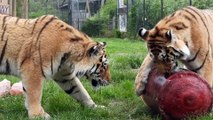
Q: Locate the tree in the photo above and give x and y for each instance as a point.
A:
(24, 6)
(88, 7)
(161, 2)
(190, 2)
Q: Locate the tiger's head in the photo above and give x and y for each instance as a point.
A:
(87, 56)
(178, 32)
(99, 74)
(165, 44)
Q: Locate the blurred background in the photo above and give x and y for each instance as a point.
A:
(105, 18)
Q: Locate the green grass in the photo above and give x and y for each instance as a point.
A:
(121, 102)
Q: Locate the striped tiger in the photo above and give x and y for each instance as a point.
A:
(99, 74)
(187, 36)
(48, 48)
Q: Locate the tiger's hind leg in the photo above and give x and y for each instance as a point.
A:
(74, 88)
(142, 76)
(32, 80)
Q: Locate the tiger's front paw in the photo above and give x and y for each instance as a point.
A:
(99, 106)
(41, 114)
(44, 116)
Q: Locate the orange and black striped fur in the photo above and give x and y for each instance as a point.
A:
(186, 35)
(48, 48)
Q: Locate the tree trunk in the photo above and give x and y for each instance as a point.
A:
(23, 8)
(161, 8)
(102, 3)
(190, 2)
(88, 7)
(12, 7)
(144, 9)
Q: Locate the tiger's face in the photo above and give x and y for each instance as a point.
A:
(99, 74)
(164, 44)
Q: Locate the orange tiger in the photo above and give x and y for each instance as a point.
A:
(48, 48)
(186, 35)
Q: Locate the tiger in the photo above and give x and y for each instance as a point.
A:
(185, 35)
(48, 48)
(99, 75)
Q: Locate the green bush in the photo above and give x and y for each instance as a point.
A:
(132, 22)
(97, 26)
(117, 34)
(94, 27)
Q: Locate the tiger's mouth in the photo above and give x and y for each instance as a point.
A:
(98, 83)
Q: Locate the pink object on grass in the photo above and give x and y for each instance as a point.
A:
(17, 89)
(5, 86)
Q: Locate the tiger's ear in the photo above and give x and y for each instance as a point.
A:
(143, 33)
(97, 49)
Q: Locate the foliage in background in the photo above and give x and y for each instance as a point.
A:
(109, 9)
(101, 20)
(94, 27)
(34, 11)
(133, 20)
(104, 23)
(137, 17)
(18, 9)
(203, 4)
(152, 13)
(43, 7)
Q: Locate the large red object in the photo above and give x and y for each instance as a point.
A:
(181, 95)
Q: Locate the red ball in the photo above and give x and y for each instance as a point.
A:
(183, 95)
(155, 82)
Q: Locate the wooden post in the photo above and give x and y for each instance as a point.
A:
(144, 9)
(24, 8)
(6, 7)
(161, 8)
(88, 7)
(190, 2)
(102, 3)
(14, 8)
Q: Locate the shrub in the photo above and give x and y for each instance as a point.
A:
(94, 27)
(117, 34)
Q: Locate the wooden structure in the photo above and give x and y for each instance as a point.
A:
(24, 8)
(122, 16)
(8, 7)
(80, 10)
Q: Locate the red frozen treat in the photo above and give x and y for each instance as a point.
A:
(183, 95)
(155, 82)
(17, 89)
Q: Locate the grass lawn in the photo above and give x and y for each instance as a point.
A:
(121, 102)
